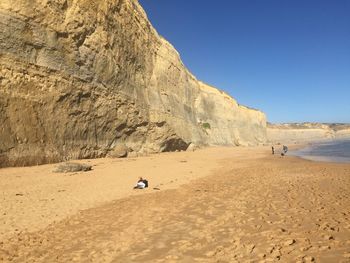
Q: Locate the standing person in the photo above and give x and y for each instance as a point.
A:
(273, 149)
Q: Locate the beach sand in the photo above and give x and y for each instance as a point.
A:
(215, 205)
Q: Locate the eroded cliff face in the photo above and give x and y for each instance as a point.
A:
(79, 77)
(306, 132)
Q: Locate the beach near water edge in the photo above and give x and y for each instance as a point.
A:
(217, 204)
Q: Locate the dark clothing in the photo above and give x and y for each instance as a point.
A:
(145, 182)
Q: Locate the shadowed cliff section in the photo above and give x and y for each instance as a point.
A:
(79, 78)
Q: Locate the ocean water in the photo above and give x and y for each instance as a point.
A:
(330, 151)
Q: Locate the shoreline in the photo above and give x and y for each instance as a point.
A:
(309, 152)
(238, 204)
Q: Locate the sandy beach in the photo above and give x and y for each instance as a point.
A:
(214, 205)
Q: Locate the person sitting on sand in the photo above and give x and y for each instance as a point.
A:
(141, 184)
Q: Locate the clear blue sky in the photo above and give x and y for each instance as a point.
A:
(289, 58)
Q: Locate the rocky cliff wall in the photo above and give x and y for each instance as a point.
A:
(306, 132)
(80, 77)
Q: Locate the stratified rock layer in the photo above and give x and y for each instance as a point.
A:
(79, 77)
(306, 132)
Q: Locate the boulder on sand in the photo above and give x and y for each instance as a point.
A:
(192, 147)
(119, 151)
(72, 167)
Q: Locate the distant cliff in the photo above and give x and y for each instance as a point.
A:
(304, 132)
(81, 77)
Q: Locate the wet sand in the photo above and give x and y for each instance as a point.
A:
(215, 205)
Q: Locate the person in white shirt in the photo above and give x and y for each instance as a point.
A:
(141, 183)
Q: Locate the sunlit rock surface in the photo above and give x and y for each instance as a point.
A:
(306, 132)
(80, 77)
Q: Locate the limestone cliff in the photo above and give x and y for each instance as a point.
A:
(306, 132)
(80, 77)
